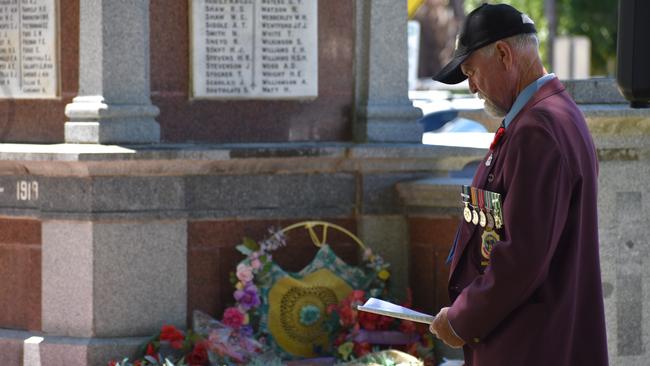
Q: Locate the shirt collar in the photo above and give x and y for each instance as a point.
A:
(524, 97)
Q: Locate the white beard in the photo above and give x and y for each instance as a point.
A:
(491, 108)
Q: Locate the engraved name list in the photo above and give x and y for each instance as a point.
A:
(254, 49)
(28, 49)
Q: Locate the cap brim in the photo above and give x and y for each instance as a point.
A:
(451, 73)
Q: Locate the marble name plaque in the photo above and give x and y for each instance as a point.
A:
(28, 49)
(255, 49)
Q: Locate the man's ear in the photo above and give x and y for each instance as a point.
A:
(505, 54)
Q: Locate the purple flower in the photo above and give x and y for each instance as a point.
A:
(248, 297)
(246, 331)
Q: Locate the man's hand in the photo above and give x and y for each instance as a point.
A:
(442, 329)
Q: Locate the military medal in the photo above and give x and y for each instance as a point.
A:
(488, 239)
(489, 225)
(467, 213)
(496, 203)
(475, 205)
(482, 220)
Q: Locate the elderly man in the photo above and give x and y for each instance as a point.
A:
(525, 275)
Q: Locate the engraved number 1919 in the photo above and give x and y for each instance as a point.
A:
(26, 190)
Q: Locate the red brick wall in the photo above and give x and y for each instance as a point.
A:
(20, 271)
(212, 256)
(431, 239)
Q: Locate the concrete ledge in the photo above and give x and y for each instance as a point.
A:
(184, 159)
(594, 90)
(202, 181)
(432, 195)
(23, 348)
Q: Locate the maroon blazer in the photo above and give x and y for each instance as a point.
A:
(538, 300)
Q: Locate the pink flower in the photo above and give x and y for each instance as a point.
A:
(233, 318)
(244, 273)
(256, 264)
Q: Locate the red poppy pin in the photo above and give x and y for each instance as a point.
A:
(497, 137)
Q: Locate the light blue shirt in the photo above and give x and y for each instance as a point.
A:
(524, 97)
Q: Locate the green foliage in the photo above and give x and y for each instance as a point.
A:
(596, 19)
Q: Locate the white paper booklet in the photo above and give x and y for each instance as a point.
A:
(389, 309)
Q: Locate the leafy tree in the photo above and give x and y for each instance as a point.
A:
(596, 19)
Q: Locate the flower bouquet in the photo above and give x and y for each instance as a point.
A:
(171, 347)
(356, 334)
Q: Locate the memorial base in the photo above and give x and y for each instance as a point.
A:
(37, 349)
(390, 123)
(109, 132)
(95, 121)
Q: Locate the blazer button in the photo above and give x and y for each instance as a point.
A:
(476, 340)
(490, 177)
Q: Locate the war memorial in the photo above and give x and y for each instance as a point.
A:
(141, 140)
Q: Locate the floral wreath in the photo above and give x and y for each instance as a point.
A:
(234, 340)
(244, 316)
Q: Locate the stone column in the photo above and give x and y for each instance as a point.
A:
(113, 104)
(384, 112)
(108, 285)
(113, 279)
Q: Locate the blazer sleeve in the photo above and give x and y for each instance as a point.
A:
(535, 208)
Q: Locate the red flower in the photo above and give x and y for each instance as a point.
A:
(407, 326)
(357, 295)
(368, 321)
(340, 339)
(347, 316)
(173, 336)
(199, 355)
(151, 351)
(137, 363)
(112, 363)
(385, 322)
(497, 136)
(362, 349)
(412, 349)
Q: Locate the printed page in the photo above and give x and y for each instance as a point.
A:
(382, 307)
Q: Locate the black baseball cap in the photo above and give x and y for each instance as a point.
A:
(484, 25)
